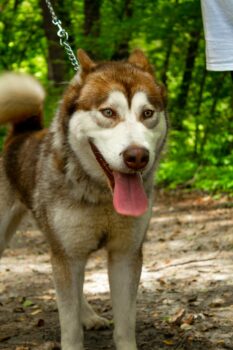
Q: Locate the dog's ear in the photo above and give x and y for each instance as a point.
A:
(85, 61)
(138, 59)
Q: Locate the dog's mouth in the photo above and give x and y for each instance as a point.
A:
(129, 196)
(104, 165)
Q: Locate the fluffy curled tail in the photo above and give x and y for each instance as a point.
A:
(21, 100)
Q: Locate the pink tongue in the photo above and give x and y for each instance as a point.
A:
(129, 197)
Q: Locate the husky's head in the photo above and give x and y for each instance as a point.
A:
(118, 126)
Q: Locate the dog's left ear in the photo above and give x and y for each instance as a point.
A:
(138, 59)
(85, 61)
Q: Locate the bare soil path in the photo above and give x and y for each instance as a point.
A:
(185, 299)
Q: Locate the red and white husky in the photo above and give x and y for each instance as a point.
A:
(88, 181)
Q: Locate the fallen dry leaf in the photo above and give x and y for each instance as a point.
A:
(168, 342)
(186, 327)
(177, 318)
(35, 312)
(189, 320)
(40, 323)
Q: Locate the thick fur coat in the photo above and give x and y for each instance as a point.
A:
(87, 180)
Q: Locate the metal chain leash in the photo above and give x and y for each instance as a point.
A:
(63, 35)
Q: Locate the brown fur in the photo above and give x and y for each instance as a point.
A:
(43, 172)
(21, 97)
(20, 164)
(134, 75)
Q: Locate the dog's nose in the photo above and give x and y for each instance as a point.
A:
(136, 158)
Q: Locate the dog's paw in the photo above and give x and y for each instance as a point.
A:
(96, 322)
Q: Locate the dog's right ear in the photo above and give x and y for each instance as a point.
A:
(85, 61)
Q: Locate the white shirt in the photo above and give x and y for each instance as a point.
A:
(218, 27)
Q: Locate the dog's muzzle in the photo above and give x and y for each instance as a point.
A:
(129, 197)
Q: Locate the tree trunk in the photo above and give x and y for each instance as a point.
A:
(92, 16)
(187, 75)
(91, 27)
(216, 93)
(170, 41)
(167, 59)
(122, 50)
(197, 112)
(56, 62)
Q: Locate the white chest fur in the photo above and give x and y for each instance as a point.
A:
(81, 230)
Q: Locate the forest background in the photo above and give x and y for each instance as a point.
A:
(199, 152)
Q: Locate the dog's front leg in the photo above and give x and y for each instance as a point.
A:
(124, 275)
(69, 277)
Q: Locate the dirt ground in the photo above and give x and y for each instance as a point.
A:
(185, 299)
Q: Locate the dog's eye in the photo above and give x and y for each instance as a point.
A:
(108, 112)
(148, 113)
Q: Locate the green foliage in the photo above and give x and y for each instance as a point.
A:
(22, 42)
(199, 152)
(51, 103)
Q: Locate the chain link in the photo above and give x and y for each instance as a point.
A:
(64, 36)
